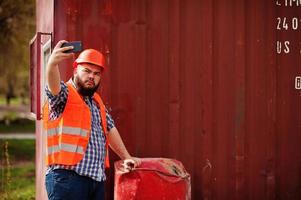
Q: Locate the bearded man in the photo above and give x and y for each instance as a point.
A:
(79, 128)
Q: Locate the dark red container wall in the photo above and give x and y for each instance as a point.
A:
(199, 81)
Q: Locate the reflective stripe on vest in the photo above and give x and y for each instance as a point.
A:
(65, 147)
(67, 130)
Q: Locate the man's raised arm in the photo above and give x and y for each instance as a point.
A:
(52, 69)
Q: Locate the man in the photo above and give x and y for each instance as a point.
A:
(79, 128)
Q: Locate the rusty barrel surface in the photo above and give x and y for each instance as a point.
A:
(155, 178)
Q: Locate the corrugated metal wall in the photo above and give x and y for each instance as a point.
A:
(287, 162)
(200, 81)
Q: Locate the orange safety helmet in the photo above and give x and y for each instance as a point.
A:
(91, 56)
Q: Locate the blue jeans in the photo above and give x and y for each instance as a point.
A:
(64, 184)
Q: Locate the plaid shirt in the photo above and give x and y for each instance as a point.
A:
(92, 164)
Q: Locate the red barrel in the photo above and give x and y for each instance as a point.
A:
(154, 179)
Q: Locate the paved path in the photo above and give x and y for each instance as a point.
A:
(17, 136)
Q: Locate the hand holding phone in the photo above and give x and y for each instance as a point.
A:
(77, 46)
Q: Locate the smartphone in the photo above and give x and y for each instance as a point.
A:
(77, 46)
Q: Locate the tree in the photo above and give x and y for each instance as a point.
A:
(17, 22)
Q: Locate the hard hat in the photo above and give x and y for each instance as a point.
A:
(90, 56)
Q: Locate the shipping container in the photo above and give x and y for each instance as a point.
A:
(214, 84)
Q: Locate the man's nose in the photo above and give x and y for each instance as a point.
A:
(91, 75)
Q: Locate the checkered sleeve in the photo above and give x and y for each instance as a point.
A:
(110, 121)
(57, 102)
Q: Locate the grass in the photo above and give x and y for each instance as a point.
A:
(17, 178)
(13, 101)
(28, 127)
(17, 166)
(15, 118)
(22, 184)
(10, 122)
(20, 150)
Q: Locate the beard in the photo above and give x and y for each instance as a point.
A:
(82, 90)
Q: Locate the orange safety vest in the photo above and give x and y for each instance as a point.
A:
(68, 135)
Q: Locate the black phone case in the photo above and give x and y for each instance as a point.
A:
(77, 46)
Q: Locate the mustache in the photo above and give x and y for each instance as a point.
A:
(84, 91)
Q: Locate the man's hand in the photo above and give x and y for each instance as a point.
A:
(131, 163)
(137, 161)
(58, 54)
(52, 70)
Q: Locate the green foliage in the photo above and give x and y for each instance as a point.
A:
(17, 178)
(17, 22)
